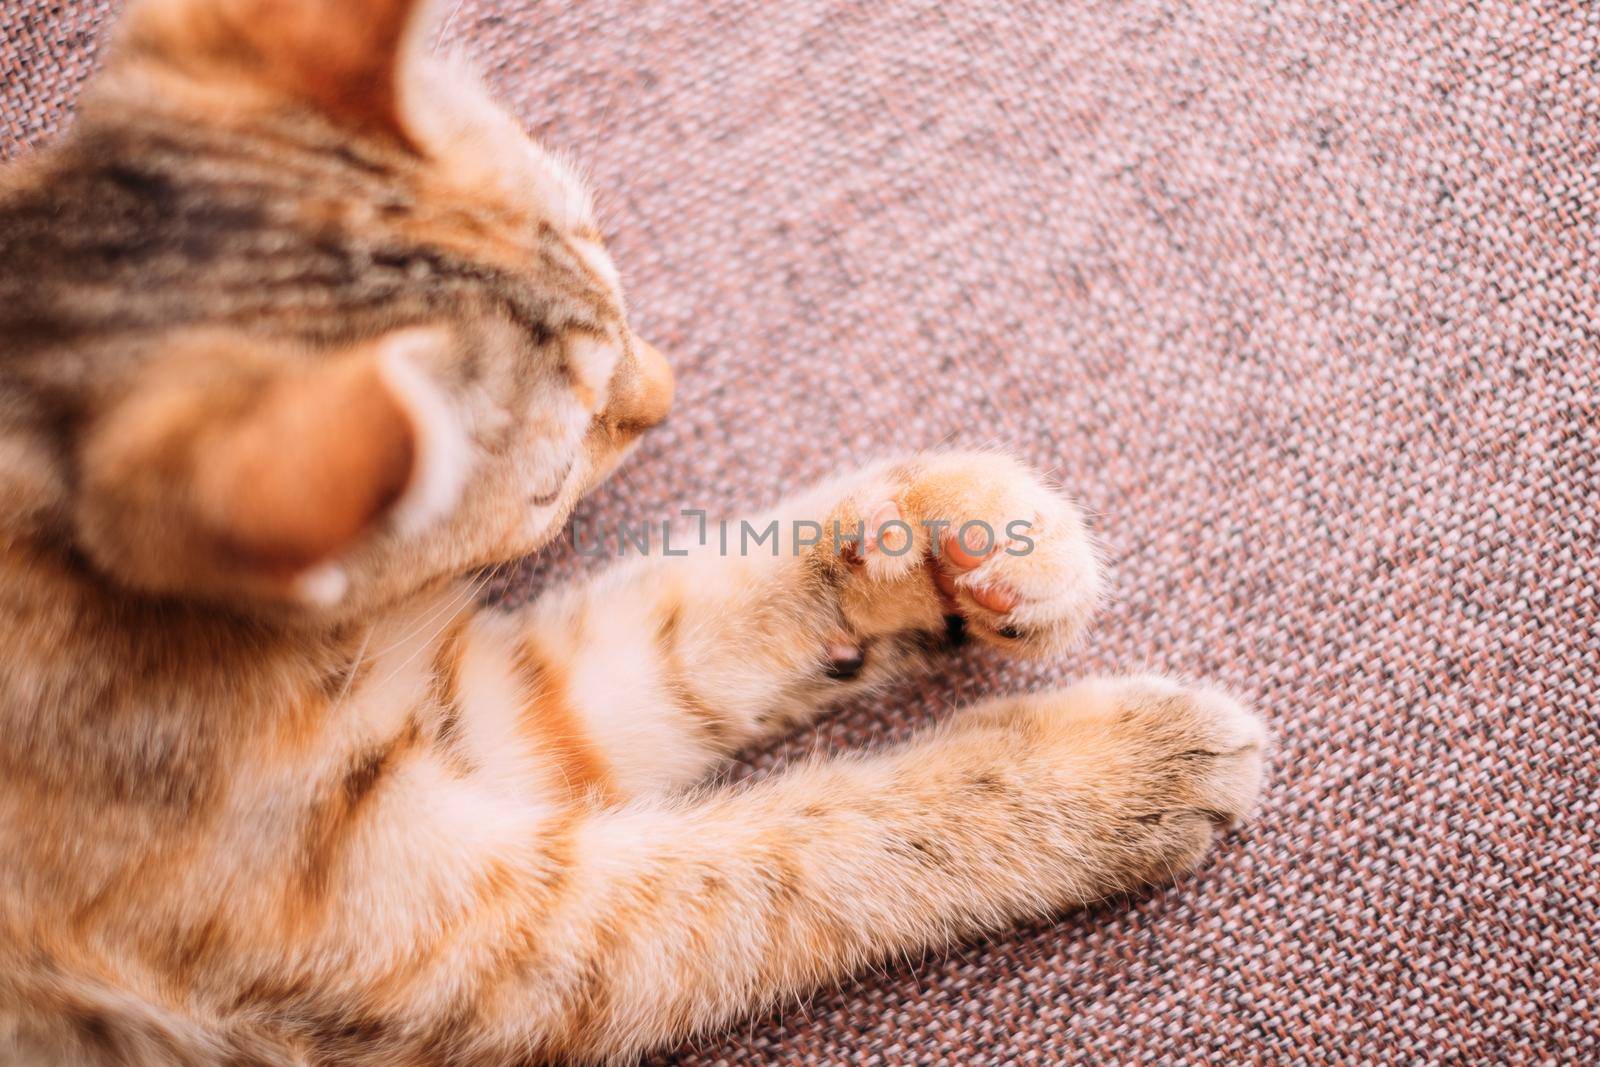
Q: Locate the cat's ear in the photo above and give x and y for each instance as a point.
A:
(256, 473)
(347, 58)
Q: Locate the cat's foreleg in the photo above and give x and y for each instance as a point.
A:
(673, 662)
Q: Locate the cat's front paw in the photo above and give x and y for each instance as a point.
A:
(1000, 549)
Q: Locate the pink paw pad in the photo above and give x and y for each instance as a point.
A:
(996, 598)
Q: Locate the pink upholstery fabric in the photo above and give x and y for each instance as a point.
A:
(1300, 299)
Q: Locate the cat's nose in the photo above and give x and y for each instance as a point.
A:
(642, 397)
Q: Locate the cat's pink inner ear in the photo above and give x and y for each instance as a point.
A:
(319, 460)
(346, 58)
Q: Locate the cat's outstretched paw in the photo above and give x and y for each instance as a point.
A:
(1161, 767)
(1006, 554)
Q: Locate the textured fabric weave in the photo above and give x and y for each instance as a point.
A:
(1300, 298)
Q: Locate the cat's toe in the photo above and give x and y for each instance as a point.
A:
(1032, 591)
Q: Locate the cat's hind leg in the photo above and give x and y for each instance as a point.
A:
(671, 917)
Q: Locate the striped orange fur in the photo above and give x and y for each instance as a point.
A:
(300, 334)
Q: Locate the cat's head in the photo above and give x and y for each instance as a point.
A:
(296, 315)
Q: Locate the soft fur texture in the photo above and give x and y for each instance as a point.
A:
(302, 336)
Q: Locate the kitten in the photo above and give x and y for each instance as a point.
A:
(300, 333)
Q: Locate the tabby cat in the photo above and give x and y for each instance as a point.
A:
(298, 334)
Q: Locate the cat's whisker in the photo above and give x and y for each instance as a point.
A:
(443, 35)
(355, 667)
(463, 598)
